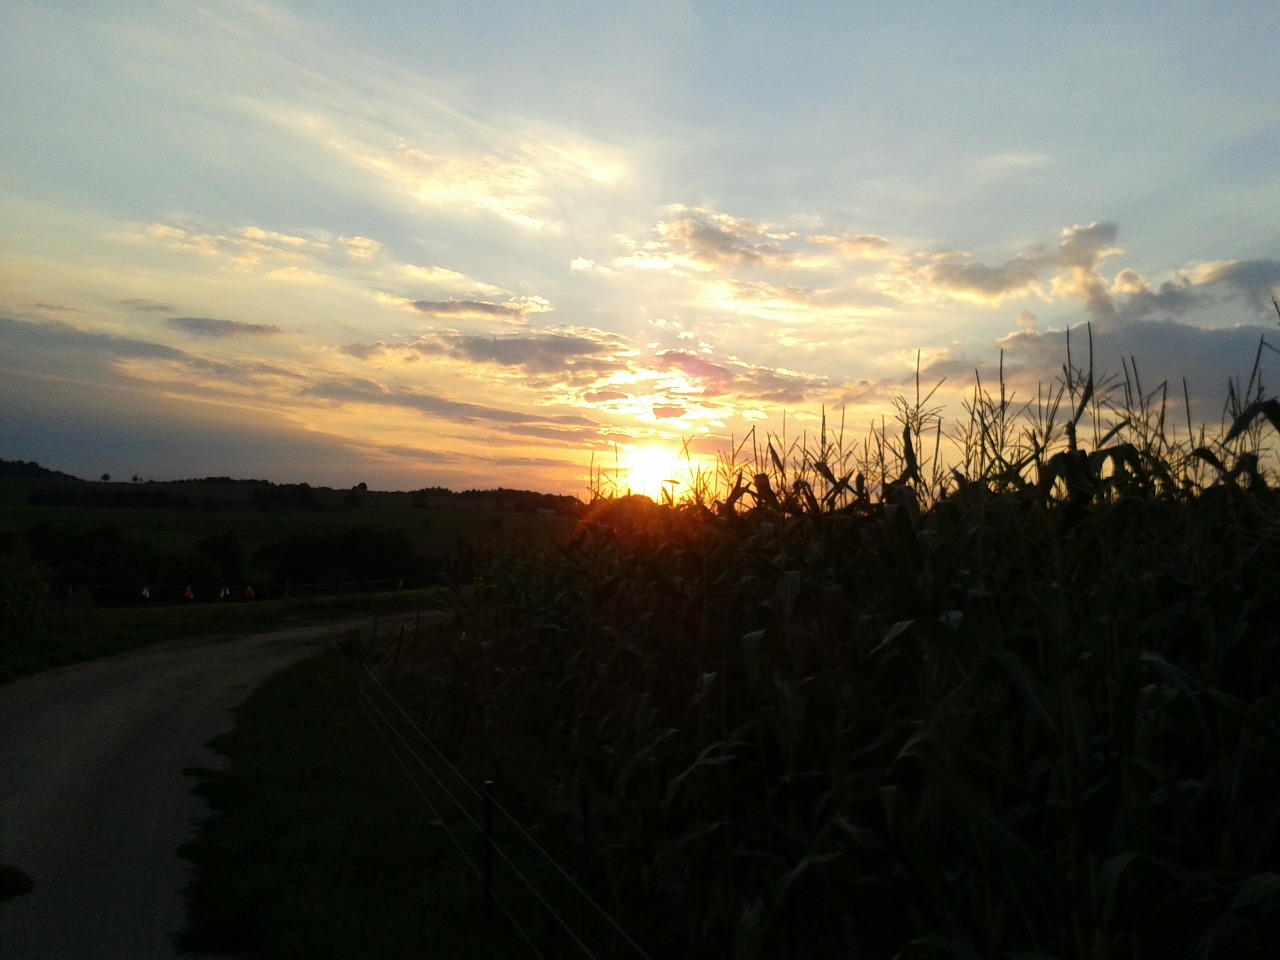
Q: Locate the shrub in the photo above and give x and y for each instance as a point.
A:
(26, 598)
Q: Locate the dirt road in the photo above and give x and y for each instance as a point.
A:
(93, 801)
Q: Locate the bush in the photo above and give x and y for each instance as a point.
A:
(26, 599)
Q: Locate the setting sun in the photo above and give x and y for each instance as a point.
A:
(660, 471)
(651, 470)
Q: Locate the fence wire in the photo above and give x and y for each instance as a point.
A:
(389, 729)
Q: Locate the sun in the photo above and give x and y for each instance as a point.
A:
(654, 470)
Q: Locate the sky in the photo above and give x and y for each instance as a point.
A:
(472, 245)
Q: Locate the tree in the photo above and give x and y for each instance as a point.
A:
(106, 477)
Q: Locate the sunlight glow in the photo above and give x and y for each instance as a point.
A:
(650, 469)
(662, 471)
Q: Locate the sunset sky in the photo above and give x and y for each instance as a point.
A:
(475, 244)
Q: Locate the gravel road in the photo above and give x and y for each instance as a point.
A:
(93, 801)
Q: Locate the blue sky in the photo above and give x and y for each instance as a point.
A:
(413, 244)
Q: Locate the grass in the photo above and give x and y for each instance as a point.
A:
(320, 846)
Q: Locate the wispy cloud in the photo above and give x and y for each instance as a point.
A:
(361, 390)
(221, 329)
(451, 281)
(511, 311)
(145, 305)
(443, 161)
(737, 379)
(858, 246)
(254, 249)
(545, 352)
(537, 354)
(1001, 166)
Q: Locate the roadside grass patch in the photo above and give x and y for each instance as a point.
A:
(319, 846)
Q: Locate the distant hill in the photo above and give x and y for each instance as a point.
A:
(265, 493)
(22, 470)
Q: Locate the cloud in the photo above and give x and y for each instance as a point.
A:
(1163, 350)
(145, 305)
(587, 265)
(604, 396)
(451, 281)
(364, 351)
(61, 350)
(564, 353)
(979, 283)
(861, 246)
(52, 338)
(295, 275)
(87, 427)
(719, 238)
(360, 248)
(511, 311)
(280, 256)
(1257, 280)
(1000, 166)
(360, 390)
(461, 165)
(245, 248)
(1130, 297)
(221, 329)
(1085, 246)
(540, 353)
(738, 380)
(953, 275)
(700, 240)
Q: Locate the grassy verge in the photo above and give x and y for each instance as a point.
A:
(76, 635)
(321, 846)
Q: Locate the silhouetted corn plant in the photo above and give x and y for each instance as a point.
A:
(856, 702)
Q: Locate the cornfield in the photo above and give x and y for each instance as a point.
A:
(848, 700)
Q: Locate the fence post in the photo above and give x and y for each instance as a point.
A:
(488, 849)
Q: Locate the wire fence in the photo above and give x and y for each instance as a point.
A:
(158, 594)
(531, 873)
